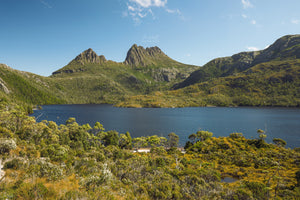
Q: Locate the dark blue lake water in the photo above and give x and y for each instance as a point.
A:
(278, 122)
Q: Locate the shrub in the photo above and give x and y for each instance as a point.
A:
(14, 164)
(279, 142)
(235, 135)
(6, 145)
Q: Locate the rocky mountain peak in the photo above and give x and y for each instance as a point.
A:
(139, 56)
(90, 56)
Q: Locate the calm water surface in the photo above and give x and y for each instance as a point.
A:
(279, 122)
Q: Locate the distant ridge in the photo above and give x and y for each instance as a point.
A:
(286, 47)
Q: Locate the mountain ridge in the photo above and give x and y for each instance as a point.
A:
(149, 74)
(283, 48)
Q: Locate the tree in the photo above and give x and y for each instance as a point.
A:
(155, 141)
(173, 140)
(71, 120)
(98, 129)
(140, 142)
(125, 141)
(204, 135)
(111, 138)
(193, 137)
(262, 136)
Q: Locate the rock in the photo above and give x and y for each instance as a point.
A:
(3, 87)
(2, 173)
(132, 79)
(165, 74)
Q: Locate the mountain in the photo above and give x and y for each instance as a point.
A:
(149, 78)
(150, 61)
(270, 77)
(287, 47)
(84, 58)
(106, 81)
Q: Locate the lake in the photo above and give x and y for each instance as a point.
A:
(281, 123)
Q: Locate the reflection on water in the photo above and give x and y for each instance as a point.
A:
(278, 122)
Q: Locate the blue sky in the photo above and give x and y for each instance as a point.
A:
(41, 36)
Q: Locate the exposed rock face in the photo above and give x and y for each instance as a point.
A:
(3, 87)
(139, 56)
(89, 56)
(165, 74)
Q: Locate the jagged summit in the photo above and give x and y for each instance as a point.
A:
(90, 56)
(139, 56)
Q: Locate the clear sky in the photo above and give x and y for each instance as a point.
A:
(41, 36)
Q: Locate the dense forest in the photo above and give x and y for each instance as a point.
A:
(72, 161)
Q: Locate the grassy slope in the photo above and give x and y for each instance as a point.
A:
(273, 83)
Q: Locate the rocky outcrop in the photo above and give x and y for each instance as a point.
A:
(68, 71)
(133, 80)
(89, 56)
(165, 74)
(139, 56)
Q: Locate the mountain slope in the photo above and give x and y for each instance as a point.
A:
(18, 86)
(287, 47)
(274, 83)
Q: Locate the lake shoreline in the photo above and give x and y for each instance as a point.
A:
(36, 107)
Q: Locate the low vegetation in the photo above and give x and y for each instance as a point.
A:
(49, 161)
